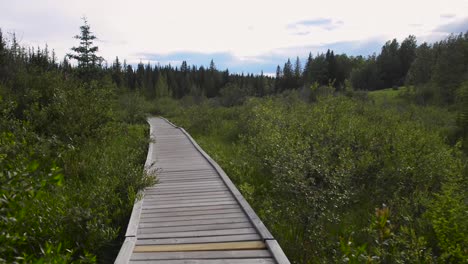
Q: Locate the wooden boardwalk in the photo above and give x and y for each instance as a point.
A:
(194, 214)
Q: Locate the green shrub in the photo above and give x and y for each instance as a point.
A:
(313, 172)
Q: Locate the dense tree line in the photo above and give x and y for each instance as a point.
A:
(440, 69)
(386, 70)
(396, 65)
(159, 81)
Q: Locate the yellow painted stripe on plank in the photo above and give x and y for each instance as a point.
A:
(201, 247)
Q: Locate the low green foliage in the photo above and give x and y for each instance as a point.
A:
(316, 172)
(71, 164)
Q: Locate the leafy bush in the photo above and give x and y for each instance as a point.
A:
(71, 160)
(313, 172)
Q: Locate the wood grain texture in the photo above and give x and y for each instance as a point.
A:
(188, 240)
(195, 228)
(195, 222)
(204, 233)
(233, 254)
(202, 247)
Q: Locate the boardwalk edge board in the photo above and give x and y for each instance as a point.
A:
(129, 246)
(130, 236)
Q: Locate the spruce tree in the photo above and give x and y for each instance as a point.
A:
(278, 80)
(297, 73)
(88, 62)
(288, 75)
(117, 72)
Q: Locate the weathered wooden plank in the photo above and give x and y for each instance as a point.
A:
(188, 155)
(177, 167)
(145, 218)
(204, 190)
(199, 212)
(182, 203)
(186, 187)
(150, 201)
(202, 255)
(188, 205)
(190, 198)
(187, 195)
(195, 222)
(186, 175)
(182, 165)
(191, 192)
(182, 177)
(237, 231)
(183, 183)
(194, 228)
(201, 247)
(194, 208)
(161, 155)
(187, 179)
(209, 261)
(198, 176)
(186, 170)
(221, 188)
(188, 240)
(189, 172)
(185, 158)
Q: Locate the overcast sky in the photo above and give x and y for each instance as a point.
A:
(241, 35)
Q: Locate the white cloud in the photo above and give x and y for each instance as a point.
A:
(243, 28)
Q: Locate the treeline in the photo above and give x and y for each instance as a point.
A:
(160, 81)
(435, 69)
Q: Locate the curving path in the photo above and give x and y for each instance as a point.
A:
(194, 214)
